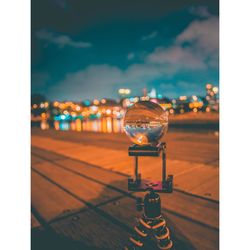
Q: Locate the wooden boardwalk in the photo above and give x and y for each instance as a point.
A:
(80, 198)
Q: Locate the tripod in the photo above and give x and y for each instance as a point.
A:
(152, 222)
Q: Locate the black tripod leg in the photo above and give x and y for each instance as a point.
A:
(138, 238)
(162, 235)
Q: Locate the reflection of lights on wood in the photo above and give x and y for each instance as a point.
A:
(95, 125)
(73, 126)
(56, 125)
(109, 125)
(116, 126)
(99, 126)
(44, 125)
(83, 126)
(122, 125)
(104, 125)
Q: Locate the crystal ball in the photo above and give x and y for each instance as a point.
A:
(145, 123)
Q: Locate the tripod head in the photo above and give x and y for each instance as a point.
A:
(151, 203)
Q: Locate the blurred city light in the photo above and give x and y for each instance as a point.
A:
(107, 109)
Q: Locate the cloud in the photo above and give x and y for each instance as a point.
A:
(201, 11)
(39, 81)
(194, 50)
(61, 40)
(150, 36)
(131, 56)
(204, 39)
(98, 81)
(95, 81)
(203, 35)
(178, 56)
(177, 88)
(197, 47)
(61, 3)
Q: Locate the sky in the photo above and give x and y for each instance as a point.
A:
(86, 49)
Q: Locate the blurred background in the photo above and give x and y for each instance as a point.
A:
(106, 115)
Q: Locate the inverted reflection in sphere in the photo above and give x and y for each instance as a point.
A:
(145, 123)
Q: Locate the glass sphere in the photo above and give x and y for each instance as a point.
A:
(145, 123)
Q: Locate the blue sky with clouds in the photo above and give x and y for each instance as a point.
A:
(90, 49)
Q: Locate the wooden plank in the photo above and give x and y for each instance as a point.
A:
(95, 173)
(49, 200)
(187, 234)
(37, 152)
(181, 203)
(187, 230)
(182, 146)
(34, 222)
(149, 167)
(192, 180)
(77, 185)
(35, 159)
(192, 207)
(104, 158)
(93, 230)
(109, 159)
(50, 143)
(209, 188)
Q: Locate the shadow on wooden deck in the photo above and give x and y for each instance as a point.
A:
(106, 225)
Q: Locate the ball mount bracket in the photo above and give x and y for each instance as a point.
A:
(136, 183)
